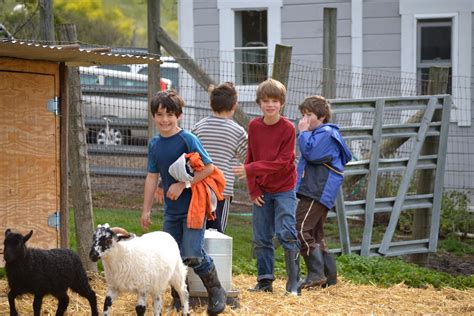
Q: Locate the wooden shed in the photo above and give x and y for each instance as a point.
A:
(33, 135)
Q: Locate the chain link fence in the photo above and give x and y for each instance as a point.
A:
(114, 100)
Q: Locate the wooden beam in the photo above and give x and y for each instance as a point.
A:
(329, 52)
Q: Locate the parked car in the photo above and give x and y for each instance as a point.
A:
(115, 105)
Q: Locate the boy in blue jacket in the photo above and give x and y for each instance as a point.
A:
(320, 175)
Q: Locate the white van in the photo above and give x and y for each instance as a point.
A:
(116, 105)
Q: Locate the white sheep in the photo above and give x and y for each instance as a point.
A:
(143, 265)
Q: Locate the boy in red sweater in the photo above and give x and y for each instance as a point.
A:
(271, 179)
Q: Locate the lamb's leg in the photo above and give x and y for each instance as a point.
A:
(63, 302)
(111, 295)
(157, 305)
(86, 291)
(11, 301)
(37, 302)
(141, 304)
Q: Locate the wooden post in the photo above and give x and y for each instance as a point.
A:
(64, 130)
(329, 53)
(153, 69)
(281, 65)
(193, 69)
(79, 162)
(46, 21)
(437, 84)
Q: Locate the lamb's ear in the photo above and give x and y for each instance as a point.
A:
(7, 232)
(28, 236)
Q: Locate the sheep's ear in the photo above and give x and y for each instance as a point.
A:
(28, 236)
(7, 232)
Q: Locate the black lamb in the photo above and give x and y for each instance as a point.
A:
(41, 272)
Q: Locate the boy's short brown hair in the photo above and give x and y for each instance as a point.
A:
(168, 100)
(223, 97)
(318, 105)
(271, 88)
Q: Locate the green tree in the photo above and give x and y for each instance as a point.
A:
(99, 22)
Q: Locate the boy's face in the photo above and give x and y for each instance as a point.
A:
(270, 107)
(313, 120)
(166, 122)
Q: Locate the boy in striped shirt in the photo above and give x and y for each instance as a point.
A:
(226, 143)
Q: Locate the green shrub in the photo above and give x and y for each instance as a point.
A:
(455, 216)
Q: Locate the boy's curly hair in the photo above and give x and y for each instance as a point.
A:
(318, 105)
(271, 88)
(168, 100)
(222, 97)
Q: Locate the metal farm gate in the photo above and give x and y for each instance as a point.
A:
(400, 144)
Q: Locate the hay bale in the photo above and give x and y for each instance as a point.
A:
(344, 298)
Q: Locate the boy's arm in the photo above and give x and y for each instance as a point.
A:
(314, 146)
(149, 190)
(177, 188)
(285, 157)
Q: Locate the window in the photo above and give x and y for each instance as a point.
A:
(251, 46)
(433, 49)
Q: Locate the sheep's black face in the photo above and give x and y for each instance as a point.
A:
(14, 245)
(101, 241)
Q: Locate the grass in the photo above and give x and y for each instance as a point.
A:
(379, 271)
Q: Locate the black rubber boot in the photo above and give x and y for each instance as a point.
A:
(292, 262)
(215, 291)
(315, 265)
(264, 285)
(330, 269)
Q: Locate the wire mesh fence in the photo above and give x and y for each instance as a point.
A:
(114, 100)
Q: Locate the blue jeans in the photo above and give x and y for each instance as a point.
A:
(275, 218)
(190, 242)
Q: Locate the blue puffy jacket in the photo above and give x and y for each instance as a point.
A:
(323, 157)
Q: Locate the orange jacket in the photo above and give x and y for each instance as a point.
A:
(200, 204)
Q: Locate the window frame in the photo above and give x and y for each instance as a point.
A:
(227, 10)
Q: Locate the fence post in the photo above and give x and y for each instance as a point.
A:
(153, 69)
(281, 65)
(437, 84)
(329, 52)
(79, 164)
(46, 21)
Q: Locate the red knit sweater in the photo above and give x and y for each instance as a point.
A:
(270, 163)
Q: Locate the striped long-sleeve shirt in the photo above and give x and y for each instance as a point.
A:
(226, 143)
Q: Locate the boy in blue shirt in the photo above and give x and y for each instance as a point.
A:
(320, 175)
(163, 150)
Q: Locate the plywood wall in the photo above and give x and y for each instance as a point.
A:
(29, 150)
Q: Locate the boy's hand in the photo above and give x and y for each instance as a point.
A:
(240, 172)
(145, 220)
(303, 124)
(259, 201)
(175, 190)
(159, 195)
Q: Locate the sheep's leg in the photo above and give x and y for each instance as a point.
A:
(37, 302)
(63, 302)
(179, 285)
(157, 305)
(111, 295)
(141, 304)
(11, 301)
